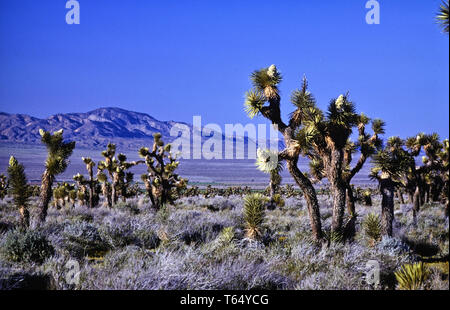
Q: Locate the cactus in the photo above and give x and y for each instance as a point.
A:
(3, 186)
(20, 189)
(57, 161)
(161, 181)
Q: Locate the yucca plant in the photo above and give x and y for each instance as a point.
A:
(19, 189)
(372, 226)
(57, 161)
(254, 215)
(163, 185)
(412, 276)
(442, 17)
(3, 186)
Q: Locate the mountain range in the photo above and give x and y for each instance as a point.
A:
(94, 129)
(91, 129)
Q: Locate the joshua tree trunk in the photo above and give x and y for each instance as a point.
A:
(91, 189)
(310, 195)
(387, 206)
(106, 195)
(349, 228)
(24, 216)
(338, 207)
(148, 187)
(272, 187)
(114, 186)
(45, 195)
(338, 188)
(400, 196)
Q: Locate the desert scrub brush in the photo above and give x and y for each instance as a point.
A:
(254, 215)
(372, 226)
(412, 276)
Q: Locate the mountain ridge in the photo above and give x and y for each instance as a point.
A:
(94, 128)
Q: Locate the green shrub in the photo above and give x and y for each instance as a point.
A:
(26, 246)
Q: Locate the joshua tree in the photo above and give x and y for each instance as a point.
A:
(267, 162)
(323, 138)
(20, 190)
(161, 181)
(64, 193)
(3, 186)
(389, 166)
(92, 183)
(115, 167)
(264, 100)
(254, 215)
(367, 145)
(442, 17)
(57, 160)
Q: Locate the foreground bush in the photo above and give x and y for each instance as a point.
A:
(26, 246)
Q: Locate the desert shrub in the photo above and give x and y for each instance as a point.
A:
(82, 239)
(372, 226)
(412, 276)
(148, 239)
(393, 246)
(26, 246)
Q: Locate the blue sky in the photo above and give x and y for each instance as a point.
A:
(175, 59)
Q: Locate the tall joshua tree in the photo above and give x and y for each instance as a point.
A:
(442, 17)
(20, 189)
(59, 152)
(323, 138)
(264, 99)
(389, 166)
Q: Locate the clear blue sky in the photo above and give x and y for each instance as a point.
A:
(174, 59)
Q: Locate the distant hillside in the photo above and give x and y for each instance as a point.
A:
(92, 129)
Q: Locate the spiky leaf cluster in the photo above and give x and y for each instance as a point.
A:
(443, 17)
(59, 151)
(254, 214)
(18, 183)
